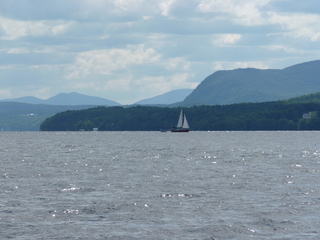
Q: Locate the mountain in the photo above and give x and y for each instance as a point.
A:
(256, 85)
(29, 100)
(167, 98)
(79, 99)
(70, 99)
(314, 97)
(28, 117)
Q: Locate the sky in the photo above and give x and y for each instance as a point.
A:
(129, 50)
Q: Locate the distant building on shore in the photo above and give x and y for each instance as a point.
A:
(307, 115)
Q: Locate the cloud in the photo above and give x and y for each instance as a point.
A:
(107, 61)
(177, 63)
(5, 93)
(234, 65)
(128, 49)
(225, 39)
(284, 48)
(298, 25)
(259, 13)
(18, 51)
(244, 12)
(165, 7)
(118, 84)
(294, 6)
(161, 84)
(127, 5)
(14, 29)
(42, 93)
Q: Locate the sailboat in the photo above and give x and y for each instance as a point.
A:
(182, 125)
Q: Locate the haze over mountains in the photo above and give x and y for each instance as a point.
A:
(70, 99)
(27, 113)
(220, 88)
(255, 85)
(73, 98)
(167, 98)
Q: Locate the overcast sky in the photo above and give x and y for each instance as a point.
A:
(128, 50)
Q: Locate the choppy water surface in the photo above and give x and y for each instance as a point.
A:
(153, 185)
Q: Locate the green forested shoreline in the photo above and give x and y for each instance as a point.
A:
(278, 115)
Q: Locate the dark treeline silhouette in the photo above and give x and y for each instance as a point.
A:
(278, 115)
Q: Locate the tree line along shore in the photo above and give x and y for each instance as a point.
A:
(277, 115)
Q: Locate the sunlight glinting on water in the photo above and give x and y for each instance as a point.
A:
(220, 185)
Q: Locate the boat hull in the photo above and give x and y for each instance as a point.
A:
(180, 130)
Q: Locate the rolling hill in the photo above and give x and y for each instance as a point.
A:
(70, 99)
(15, 116)
(256, 85)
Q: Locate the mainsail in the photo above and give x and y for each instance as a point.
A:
(180, 121)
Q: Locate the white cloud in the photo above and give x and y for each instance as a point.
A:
(162, 84)
(298, 25)
(129, 49)
(246, 12)
(177, 64)
(42, 93)
(107, 61)
(45, 50)
(14, 29)
(165, 6)
(115, 10)
(127, 5)
(5, 93)
(18, 51)
(284, 48)
(251, 13)
(225, 39)
(60, 29)
(119, 84)
(234, 65)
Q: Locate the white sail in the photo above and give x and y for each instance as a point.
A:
(182, 125)
(180, 121)
(185, 122)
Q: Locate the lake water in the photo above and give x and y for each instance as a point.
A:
(153, 185)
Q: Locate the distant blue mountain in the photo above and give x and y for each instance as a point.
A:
(79, 99)
(29, 100)
(167, 98)
(66, 99)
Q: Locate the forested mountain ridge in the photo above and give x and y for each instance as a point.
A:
(314, 97)
(279, 115)
(256, 85)
(28, 117)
